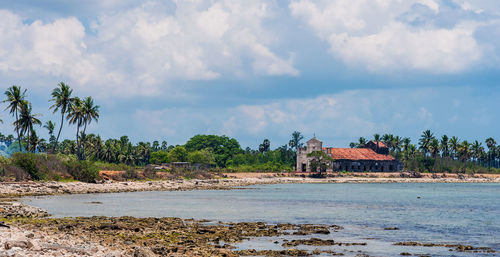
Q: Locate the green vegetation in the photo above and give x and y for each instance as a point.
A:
(43, 166)
(32, 157)
(444, 154)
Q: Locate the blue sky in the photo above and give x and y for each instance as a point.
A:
(167, 70)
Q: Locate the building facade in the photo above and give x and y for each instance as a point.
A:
(374, 157)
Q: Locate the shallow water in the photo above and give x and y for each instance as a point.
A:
(439, 213)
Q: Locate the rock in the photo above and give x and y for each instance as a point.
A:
(24, 244)
(391, 228)
(143, 252)
(77, 250)
(405, 254)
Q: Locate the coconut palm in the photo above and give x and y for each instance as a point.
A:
(50, 126)
(26, 121)
(15, 98)
(464, 152)
(61, 96)
(434, 147)
(477, 150)
(376, 138)
(491, 144)
(454, 144)
(388, 140)
(397, 143)
(90, 112)
(76, 116)
(425, 140)
(361, 142)
(406, 143)
(444, 146)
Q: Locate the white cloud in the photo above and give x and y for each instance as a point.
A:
(51, 48)
(337, 118)
(141, 50)
(372, 34)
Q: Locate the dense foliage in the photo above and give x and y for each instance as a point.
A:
(43, 166)
(441, 154)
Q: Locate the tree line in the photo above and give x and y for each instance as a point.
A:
(444, 151)
(429, 153)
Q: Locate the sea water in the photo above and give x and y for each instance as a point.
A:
(449, 213)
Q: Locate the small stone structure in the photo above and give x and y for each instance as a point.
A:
(374, 157)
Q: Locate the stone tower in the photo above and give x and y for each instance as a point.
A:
(302, 160)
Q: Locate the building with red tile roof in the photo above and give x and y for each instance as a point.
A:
(370, 158)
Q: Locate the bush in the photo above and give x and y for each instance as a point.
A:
(4, 161)
(131, 173)
(149, 172)
(84, 171)
(28, 163)
(16, 172)
(112, 166)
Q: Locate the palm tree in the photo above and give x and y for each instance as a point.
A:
(406, 143)
(434, 147)
(50, 126)
(361, 142)
(444, 146)
(15, 98)
(464, 151)
(491, 144)
(396, 144)
(477, 150)
(388, 140)
(425, 140)
(61, 96)
(76, 116)
(454, 144)
(376, 138)
(265, 146)
(26, 122)
(90, 112)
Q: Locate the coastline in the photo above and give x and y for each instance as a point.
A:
(233, 180)
(32, 233)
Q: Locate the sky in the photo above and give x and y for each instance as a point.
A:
(257, 69)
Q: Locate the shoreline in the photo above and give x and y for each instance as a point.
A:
(32, 233)
(233, 180)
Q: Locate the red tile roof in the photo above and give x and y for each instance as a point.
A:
(357, 154)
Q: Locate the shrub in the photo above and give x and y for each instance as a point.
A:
(112, 166)
(84, 171)
(16, 172)
(28, 163)
(4, 161)
(149, 172)
(130, 173)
